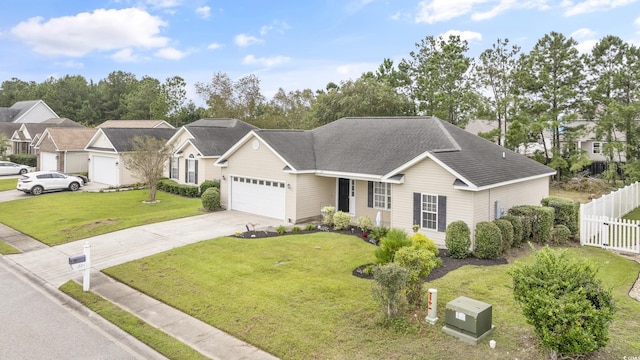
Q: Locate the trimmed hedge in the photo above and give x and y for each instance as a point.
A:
(173, 187)
(560, 234)
(566, 212)
(537, 222)
(24, 159)
(458, 239)
(209, 184)
(516, 222)
(506, 229)
(341, 220)
(211, 199)
(488, 244)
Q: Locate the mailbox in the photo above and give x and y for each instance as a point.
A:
(77, 259)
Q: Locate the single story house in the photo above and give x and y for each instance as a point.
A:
(62, 149)
(27, 135)
(410, 170)
(199, 144)
(107, 147)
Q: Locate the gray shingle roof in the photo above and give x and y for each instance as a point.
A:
(213, 137)
(378, 146)
(121, 137)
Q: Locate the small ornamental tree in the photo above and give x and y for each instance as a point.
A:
(147, 161)
(389, 288)
(419, 261)
(564, 301)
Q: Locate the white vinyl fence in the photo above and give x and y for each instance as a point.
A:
(601, 224)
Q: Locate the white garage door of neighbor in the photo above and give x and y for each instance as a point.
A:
(104, 170)
(255, 196)
(48, 161)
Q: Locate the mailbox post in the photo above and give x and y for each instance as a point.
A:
(83, 262)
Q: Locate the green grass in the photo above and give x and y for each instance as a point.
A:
(8, 184)
(58, 218)
(294, 296)
(6, 249)
(633, 215)
(156, 339)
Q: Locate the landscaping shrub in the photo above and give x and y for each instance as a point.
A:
(208, 184)
(327, 215)
(537, 222)
(211, 199)
(389, 287)
(341, 220)
(419, 261)
(281, 229)
(516, 222)
(421, 241)
(458, 239)
(379, 232)
(173, 187)
(365, 224)
(526, 215)
(566, 213)
(567, 305)
(560, 234)
(506, 230)
(392, 242)
(295, 229)
(24, 159)
(488, 244)
(310, 227)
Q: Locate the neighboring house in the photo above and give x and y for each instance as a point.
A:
(25, 137)
(591, 144)
(31, 111)
(63, 149)
(153, 124)
(7, 129)
(198, 145)
(107, 147)
(479, 127)
(410, 170)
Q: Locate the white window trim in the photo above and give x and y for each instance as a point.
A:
(599, 146)
(423, 211)
(175, 168)
(191, 163)
(383, 197)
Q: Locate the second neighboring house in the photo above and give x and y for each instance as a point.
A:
(63, 149)
(108, 146)
(24, 139)
(135, 124)
(409, 170)
(30, 111)
(198, 145)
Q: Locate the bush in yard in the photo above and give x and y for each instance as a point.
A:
(173, 187)
(420, 241)
(488, 244)
(341, 220)
(560, 234)
(516, 222)
(537, 222)
(389, 287)
(392, 242)
(310, 227)
(295, 229)
(209, 184)
(211, 199)
(566, 212)
(506, 229)
(24, 159)
(458, 239)
(379, 232)
(281, 229)
(365, 224)
(419, 261)
(565, 302)
(526, 215)
(327, 215)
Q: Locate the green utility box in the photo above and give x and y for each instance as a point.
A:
(468, 319)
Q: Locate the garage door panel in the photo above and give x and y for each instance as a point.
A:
(104, 170)
(256, 196)
(48, 161)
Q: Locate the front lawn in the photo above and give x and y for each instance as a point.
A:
(8, 184)
(58, 218)
(294, 296)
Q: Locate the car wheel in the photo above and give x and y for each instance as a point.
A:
(36, 190)
(74, 186)
(23, 171)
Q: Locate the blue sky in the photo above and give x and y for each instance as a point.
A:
(289, 44)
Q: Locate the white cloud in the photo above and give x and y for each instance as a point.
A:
(464, 35)
(164, 3)
(85, 32)
(278, 26)
(72, 64)
(502, 7)
(586, 46)
(583, 33)
(268, 62)
(244, 40)
(214, 46)
(590, 6)
(352, 71)
(442, 10)
(204, 12)
(125, 55)
(170, 53)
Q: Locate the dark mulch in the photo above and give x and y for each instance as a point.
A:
(448, 263)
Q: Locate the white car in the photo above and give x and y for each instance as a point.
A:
(36, 183)
(10, 168)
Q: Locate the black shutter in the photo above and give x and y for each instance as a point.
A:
(442, 213)
(177, 174)
(196, 165)
(417, 209)
(186, 171)
(370, 194)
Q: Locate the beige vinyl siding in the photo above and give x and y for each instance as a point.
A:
(125, 176)
(362, 208)
(524, 193)
(102, 142)
(184, 136)
(311, 194)
(76, 162)
(208, 171)
(427, 177)
(37, 114)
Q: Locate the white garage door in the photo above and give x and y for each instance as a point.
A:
(104, 170)
(257, 196)
(48, 161)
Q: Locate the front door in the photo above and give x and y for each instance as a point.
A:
(344, 190)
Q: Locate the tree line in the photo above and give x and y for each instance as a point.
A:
(525, 93)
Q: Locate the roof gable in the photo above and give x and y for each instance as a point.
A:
(68, 138)
(135, 124)
(121, 138)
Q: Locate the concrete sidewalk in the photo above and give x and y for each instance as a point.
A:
(50, 265)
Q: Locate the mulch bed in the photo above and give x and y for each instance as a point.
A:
(448, 263)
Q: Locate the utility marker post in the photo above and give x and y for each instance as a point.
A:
(86, 278)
